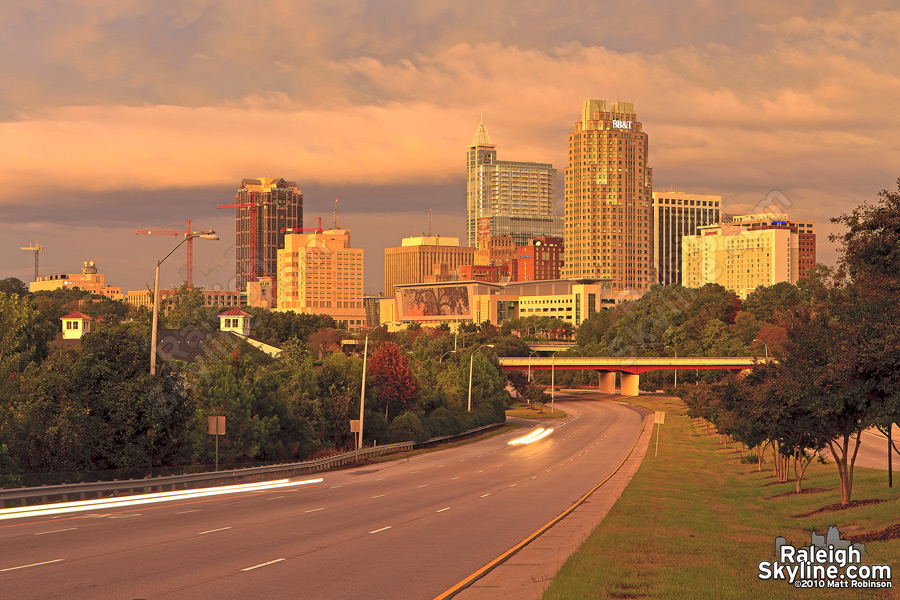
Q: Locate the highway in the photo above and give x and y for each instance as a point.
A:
(409, 528)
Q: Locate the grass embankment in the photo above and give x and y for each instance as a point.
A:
(533, 411)
(695, 522)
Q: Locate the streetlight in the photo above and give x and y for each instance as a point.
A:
(676, 366)
(445, 354)
(362, 394)
(552, 380)
(471, 364)
(764, 344)
(209, 235)
(533, 352)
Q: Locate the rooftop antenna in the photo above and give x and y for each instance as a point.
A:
(429, 222)
(335, 214)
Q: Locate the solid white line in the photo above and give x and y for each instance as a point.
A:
(271, 562)
(314, 510)
(382, 529)
(443, 509)
(214, 530)
(378, 496)
(56, 531)
(46, 562)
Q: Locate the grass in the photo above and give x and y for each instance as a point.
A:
(533, 411)
(695, 522)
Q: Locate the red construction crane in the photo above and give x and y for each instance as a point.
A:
(253, 204)
(304, 229)
(170, 230)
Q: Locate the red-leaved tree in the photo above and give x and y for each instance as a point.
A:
(396, 388)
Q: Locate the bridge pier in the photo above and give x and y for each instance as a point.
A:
(607, 382)
(630, 384)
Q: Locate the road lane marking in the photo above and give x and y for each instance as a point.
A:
(56, 531)
(378, 496)
(275, 498)
(213, 530)
(315, 509)
(46, 562)
(380, 478)
(184, 512)
(265, 564)
(514, 485)
(485, 496)
(382, 529)
(334, 487)
(454, 478)
(423, 485)
(443, 509)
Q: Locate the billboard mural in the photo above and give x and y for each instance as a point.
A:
(434, 302)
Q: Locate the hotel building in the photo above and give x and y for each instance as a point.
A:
(263, 209)
(507, 198)
(321, 274)
(89, 280)
(677, 214)
(805, 230)
(608, 198)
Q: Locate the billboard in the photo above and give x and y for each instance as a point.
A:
(434, 302)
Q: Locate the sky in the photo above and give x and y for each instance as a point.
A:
(118, 115)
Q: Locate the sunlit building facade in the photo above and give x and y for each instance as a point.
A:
(608, 198)
(424, 259)
(675, 215)
(521, 194)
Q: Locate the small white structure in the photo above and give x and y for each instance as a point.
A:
(75, 325)
(235, 320)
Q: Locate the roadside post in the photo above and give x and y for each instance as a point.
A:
(356, 427)
(216, 427)
(660, 419)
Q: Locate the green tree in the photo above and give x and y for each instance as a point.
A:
(13, 286)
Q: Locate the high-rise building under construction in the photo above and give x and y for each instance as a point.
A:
(263, 209)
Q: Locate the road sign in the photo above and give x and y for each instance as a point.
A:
(216, 425)
(660, 417)
(354, 425)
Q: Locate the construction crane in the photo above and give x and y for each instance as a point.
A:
(170, 230)
(304, 229)
(254, 219)
(37, 248)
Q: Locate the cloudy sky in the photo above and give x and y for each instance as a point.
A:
(117, 115)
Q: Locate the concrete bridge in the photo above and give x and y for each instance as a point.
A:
(629, 368)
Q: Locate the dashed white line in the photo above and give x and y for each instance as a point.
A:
(378, 496)
(314, 510)
(513, 485)
(56, 531)
(454, 478)
(46, 562)
(184, 512)
(442, 510)
(334, 487)
(265, 564)
(213, 530)
(423, 485)
(485, 495)
(275, 498)
(382, 529)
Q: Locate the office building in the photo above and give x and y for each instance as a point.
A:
(740, 256)
(89, 280)
(521, 194)
(168, 297)
(424, 259)
(541, 260)
(263, 209)
(805, 230)
(608, 198)
(675, 215)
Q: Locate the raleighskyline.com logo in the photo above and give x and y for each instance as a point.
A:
(828, 562)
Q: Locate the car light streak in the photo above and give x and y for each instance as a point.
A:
(103, 503)
(537, 434)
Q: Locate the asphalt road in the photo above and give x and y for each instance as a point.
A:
(403, 529)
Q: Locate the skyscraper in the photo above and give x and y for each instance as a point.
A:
(263, 209)
(675, 215)
(608, 202)
(521, 195)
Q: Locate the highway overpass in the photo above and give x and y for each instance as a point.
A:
(629, 367)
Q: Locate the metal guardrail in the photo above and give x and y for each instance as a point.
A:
(84, 491)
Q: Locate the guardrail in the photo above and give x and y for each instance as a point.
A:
(83, 491)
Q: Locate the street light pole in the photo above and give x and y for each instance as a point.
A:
(210, 235)
(676, 366)
(362, 394)
(471, 365)
(764, 344)
(552, 381)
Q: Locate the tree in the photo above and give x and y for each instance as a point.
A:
(13, 286)
(324, 341)
(397, 389)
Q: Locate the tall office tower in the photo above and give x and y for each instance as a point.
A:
(676, 214)
(608, 186)
(423, 259)
(263, 209)
(321, 274)
(524, 191)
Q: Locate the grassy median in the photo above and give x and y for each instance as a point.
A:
(535, 410)
(696, 521)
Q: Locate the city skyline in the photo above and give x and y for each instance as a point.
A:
(119, 116)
